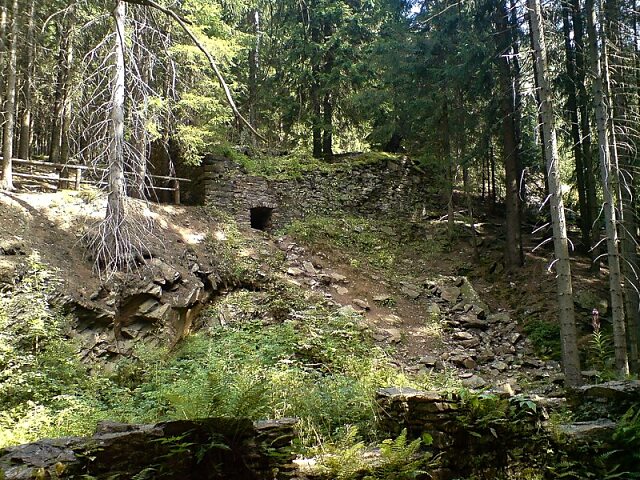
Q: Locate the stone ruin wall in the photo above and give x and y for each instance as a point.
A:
(393, 187)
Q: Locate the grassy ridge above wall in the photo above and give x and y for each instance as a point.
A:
(294, 165)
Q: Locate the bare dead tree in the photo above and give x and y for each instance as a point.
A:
(116, 122)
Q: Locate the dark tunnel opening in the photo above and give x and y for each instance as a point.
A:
(261, 218)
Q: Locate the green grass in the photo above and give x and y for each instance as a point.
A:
(545, 337)
(297, 164)
(379, 243)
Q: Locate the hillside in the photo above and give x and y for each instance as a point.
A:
(308, 321)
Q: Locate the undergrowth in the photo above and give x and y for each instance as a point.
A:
(287, 354)
(318, 365)
(44, 388)
(545, 337)
(294, 165)
(398, 459)
(379, 243)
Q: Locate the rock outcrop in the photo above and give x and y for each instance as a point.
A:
(158, 304)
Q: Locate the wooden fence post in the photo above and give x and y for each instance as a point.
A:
(78, 178)
(176, 192)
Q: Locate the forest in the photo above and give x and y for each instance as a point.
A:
(519, 118)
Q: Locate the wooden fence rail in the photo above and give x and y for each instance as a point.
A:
(76, 175)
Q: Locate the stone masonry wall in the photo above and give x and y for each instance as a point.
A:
(483, 437)
(384, 187)
(207, 449)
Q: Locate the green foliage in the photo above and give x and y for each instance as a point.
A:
(42, 382)
(627, 437)
(398, 459)
(380, 243)
(319, 366)
(601, 353)
(488, 412)
(359, 236)
(545, 337)
(483, 410)
(296, 164)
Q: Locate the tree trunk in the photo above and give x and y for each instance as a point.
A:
(513, 254)
(492, 160)
(115, 246)
(327, 103)
(572, 105)
(467, 194)
(140, 114)
(446, 152)
(66, 125)
(622, 157)
(327, 124)
(585, 131)
(25, 127)
(254, 67)
(316, 118)
(609, 187)
(3, 51)
(517, 101)
(568, 337)
(630, 255)
(10, 104)
(65, 58)
(633, 321)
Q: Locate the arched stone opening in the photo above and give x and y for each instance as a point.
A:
(261, 218)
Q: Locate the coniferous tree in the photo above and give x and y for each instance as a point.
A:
(568, 335)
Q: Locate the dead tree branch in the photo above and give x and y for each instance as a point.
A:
(183, 24)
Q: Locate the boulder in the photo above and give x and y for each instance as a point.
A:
(450, 294)
(294, 271)
(428, 361)
(474, 382)
(159, 314)
(9, 267)
(163, 273)
(382, 299)
(341, 290)
(152, 289)
(587, 300)
(309, 268)
(146, 307)
(584, 433)
(392, 335)
(471, 320)
(615, 396)
(338, 278)
(500, 317)
(463, 336)
(470, 296)
(393, 319)
(363, 304)
(410, 290)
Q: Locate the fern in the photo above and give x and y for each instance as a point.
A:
(347, 463)
(146, 474)
(400, 459)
